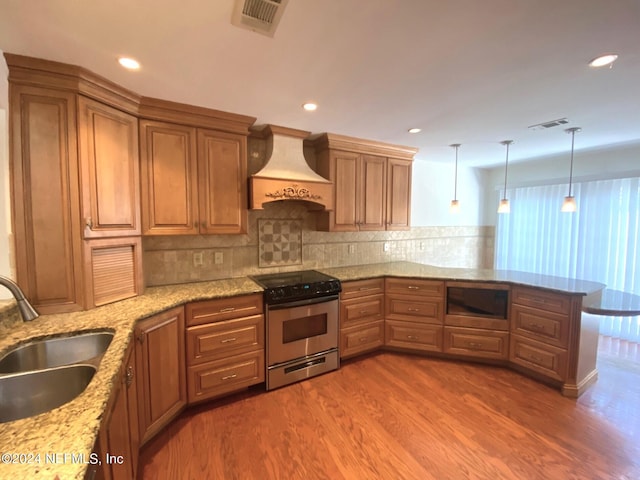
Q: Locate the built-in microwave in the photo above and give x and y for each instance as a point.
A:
(478, 300)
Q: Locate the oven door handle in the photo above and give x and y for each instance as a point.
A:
(303, 303)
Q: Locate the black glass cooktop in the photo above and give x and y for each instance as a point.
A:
(291, 286)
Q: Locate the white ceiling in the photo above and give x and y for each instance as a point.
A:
(465, 71)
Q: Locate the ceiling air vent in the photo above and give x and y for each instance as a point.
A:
(261, 16)
(550, 124)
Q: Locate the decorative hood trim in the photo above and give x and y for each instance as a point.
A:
(287, 175)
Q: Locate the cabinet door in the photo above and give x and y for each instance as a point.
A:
(169, 179)
(373, 176)
(345, 177)
(160, 361)
(131, 383)
(110, 178)
(398, 194)
(222, 172)
(45, 200)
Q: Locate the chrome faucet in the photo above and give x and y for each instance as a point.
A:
(26, 309)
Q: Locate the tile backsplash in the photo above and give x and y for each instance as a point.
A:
(181, 259)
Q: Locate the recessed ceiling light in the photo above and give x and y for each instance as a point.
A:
(603, 60)
(414, 130)
(129, 63)
(310, 106)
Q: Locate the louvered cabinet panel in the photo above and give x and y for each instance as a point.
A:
(113, 269)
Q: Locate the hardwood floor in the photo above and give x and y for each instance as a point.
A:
(395, 416)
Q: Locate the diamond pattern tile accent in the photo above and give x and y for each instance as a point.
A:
(279, 242)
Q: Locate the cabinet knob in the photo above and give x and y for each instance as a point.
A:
(140, 337)
(129, 376)
(88, 222)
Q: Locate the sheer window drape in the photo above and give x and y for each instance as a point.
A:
(599, 242)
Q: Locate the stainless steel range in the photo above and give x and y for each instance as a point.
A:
(301, 325)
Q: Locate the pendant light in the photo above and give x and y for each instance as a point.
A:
(455, 205)
(504, 203)
(569, 204)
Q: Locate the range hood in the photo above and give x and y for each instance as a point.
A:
(287, 176)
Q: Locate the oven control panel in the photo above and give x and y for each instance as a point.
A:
(302, 291)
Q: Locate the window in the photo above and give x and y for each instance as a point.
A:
(599, 242)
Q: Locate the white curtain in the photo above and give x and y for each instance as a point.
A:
(599, 242)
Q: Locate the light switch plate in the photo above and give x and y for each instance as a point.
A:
(218, 258)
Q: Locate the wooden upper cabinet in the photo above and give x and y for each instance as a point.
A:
(372, 192)
(109, 170)
(46, 216)
(398, 194)
(222, 188)
(169, 176)
(344, 167)
(193, 180)
(372, 183)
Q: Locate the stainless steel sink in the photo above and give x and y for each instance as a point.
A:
(54, 352)
(27, 394)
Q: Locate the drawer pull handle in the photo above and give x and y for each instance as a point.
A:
(413, 287)
(227, 340)
(535, 358)
(413, 309)
(229, 377)
(474, 345)
(228, 309)
(413, 337)
(363, 339)
(536, 326)
(362, 289)
(364, 312)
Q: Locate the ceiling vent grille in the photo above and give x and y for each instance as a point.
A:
(261, 16)
(550, 124)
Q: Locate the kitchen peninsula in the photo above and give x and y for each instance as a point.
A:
(547, 309)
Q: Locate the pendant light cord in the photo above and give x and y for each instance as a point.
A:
(573, 137)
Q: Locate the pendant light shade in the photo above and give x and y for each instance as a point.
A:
(569, 204)
(504, 206)
(455, 204)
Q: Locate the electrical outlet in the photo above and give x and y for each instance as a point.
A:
(218, 258)
(421, 246)
(385, 246)
(198, 259)
(352, 248)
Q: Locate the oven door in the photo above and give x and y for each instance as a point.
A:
(299, 329)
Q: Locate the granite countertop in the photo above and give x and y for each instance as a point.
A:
(615, 303)
(72, 428)
(416, 270)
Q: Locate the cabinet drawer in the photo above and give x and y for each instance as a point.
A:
(219, 377)
(413, 336)
(545, 359)
(222, 339)
(551, 328)
(361, 288)
(550, 302)
(358, 310)
(410, 286)
(362, 338)
(222, 309)
(473, 342)
(412, 309)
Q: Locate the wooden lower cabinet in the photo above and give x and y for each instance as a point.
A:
(413, 336)
(118, 441)
(225, 346)
(160, 361)
(476, 343)
(547, 360)
(361, 338)
(213, 379)
(361, 316)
